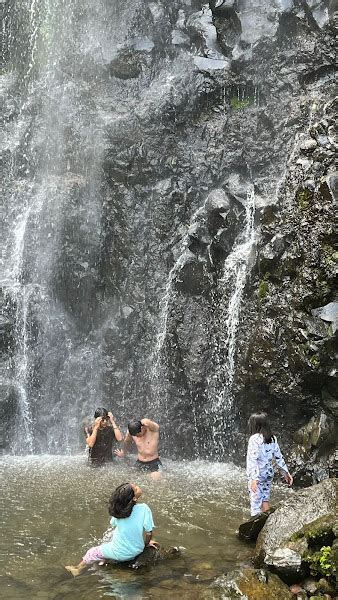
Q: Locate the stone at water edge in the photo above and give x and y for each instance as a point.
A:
(149, 557)
(249, 584)
(298, 510)
(248, 531)
(286, 562)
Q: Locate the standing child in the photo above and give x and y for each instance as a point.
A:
(262, 448)
(133, 526)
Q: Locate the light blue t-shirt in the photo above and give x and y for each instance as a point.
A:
(127, 541)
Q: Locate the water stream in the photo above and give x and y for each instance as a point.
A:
(53, 195)
(231, 288)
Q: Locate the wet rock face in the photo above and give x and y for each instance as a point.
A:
(195, 105)
(293, 514)
(248, 531)
(249, 583)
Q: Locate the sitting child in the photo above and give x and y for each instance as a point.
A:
(130, 522)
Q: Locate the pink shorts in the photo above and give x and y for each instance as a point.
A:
(93, 555)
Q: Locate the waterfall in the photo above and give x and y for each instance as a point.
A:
(231, 289)
(167, 297)
(227, 300)
(52, 231)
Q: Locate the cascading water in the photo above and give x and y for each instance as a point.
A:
(227, 299)
(230, 289)
(53, 195)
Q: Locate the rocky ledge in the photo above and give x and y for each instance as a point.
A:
(296, 554)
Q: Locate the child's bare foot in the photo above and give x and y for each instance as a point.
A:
(74, 570)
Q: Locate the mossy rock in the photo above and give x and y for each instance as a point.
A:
(237, 104)
(263, 289)
(252, 584)
(304, 197)
(325, 587)
(319, 532)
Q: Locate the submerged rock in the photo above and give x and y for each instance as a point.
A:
(250, 584)
(150, 557)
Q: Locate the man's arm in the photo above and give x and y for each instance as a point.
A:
(91, 439)
(151, 425)
(125, 446)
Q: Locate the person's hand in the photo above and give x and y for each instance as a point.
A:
(153, 544)
(111, 416)
(97, 422)
(289, 479)
(254, 486)
(119, 453)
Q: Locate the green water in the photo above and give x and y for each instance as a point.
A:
(54, 508)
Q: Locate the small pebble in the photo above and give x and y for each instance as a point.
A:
(296, 589)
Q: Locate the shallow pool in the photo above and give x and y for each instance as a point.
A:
(55, 507)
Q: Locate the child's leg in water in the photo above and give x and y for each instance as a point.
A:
(91, 556)
(265, 493)
(255, 501)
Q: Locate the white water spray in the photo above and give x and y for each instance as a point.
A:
(232, 284)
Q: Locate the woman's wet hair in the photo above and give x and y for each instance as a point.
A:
(100, 412)
(134, 427)
(122, 501)
(259, 423)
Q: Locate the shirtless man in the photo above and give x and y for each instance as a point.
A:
(145, 434)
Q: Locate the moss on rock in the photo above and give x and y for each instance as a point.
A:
(304, 197)
(317, 533)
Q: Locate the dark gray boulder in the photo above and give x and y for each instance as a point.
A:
(248, 584)
(248, 531)
(301, 508)
(149, 557)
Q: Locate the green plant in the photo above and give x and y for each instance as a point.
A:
(263, 289)
(304, 197)
(238, 104)
(330, 256)
(315, 362)
(322, 562)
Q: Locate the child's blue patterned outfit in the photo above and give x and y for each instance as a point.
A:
(259, 467)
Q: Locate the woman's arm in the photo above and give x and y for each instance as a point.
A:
(117, 432)
(90, 440)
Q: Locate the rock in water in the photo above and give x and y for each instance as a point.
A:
(249, 584)
(248, 531)
(298, 510)
(151, 556)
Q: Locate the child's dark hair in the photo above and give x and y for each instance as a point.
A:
(122, 501)
(259, 423)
